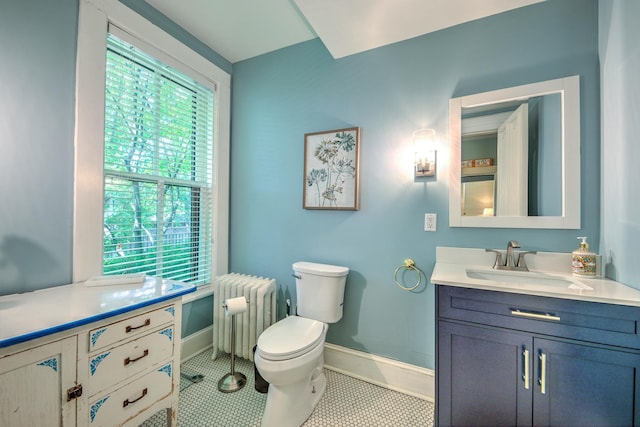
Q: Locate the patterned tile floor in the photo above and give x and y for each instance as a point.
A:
(348, 402)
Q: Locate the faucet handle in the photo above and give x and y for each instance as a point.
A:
(521, 262)
(498, 257)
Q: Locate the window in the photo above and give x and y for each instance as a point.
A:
(157, 168)
(152, 151)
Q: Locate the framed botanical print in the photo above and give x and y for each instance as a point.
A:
(331, 169)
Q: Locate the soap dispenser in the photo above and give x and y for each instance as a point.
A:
(583, 261)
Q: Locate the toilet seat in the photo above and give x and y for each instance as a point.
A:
(290, 337)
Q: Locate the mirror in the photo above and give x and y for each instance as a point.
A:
(515, 157)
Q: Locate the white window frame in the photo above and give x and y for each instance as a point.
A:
(93, 21)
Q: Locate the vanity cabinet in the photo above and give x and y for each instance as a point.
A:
(115, 372)
(521, 360)
(110, 358)
(130, 373)
(34, 382)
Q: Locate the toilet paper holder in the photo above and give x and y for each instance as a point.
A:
(233, 381)
(235, 305)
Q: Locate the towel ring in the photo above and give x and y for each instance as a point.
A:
(408, 264)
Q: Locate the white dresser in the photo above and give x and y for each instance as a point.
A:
(76, 355)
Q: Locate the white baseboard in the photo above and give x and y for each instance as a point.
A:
(196, 343)
(402, 377)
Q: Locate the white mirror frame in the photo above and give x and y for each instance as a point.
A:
(569, 88)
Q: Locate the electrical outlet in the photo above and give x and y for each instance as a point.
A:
(429, 222)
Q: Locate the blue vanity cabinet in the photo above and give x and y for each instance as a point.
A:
(585, 385)
(478, 377)
(521, 360)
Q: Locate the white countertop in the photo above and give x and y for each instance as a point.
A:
(453, 264)
(43, 312)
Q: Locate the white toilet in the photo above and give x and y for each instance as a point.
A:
(290, 352)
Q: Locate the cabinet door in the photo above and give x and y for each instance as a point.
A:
(484, 379)
(580, 385)
(33, 386)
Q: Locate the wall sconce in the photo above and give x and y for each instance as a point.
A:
(424, 141)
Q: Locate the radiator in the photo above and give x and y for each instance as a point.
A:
(261, 312)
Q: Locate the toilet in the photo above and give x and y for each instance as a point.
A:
(289, 354)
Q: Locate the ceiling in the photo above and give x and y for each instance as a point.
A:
(242, 29)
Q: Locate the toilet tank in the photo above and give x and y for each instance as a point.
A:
(320, 290)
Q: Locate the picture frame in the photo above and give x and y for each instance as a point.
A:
(331, 170)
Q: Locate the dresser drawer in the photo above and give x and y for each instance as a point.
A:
(114, 365)
(581, 320)
(125, 403)
(129, 328)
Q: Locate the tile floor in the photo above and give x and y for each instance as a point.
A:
(348, 402)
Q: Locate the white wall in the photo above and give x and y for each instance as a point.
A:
(619, 51)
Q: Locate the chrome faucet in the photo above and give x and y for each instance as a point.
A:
(514, 261)
(511, 261)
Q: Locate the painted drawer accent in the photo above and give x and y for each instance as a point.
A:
(95, 361)
(128, 360)
(130, 400)
(96, 334)
(166, 369)
(168, 333)
(52, 363)
(129, 328)
(95, 407)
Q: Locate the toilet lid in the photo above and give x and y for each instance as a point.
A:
(290, 337)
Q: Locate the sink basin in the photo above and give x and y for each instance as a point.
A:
(532, 278)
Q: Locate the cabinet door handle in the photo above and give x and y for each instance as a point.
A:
(130, 360)
(132, 328)
(128, 402)
(543, 373)
(534, 315)
(525, 377)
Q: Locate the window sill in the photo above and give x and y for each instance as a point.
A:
(203, 291)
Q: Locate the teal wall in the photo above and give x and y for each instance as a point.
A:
(37, 104)
(480, 147)
(389, 92)
(620, 67)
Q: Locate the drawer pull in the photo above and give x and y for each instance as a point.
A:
(525, 377)
(128, 402)
(130, 360)
(534, 315)
(543, 373)
(132, 328)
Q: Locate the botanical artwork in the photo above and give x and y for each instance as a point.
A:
(331, 169)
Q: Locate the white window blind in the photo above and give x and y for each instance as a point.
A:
(157, 168)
